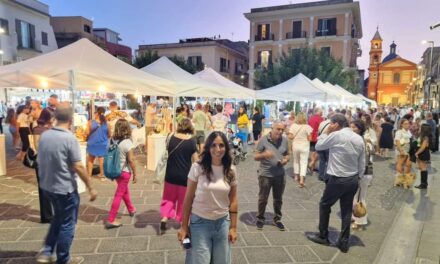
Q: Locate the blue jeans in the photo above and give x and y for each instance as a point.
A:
(323, 161)
(244, 137)
(209, 241)
(62, 227)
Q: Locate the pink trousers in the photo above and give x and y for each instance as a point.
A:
(172, 201)
(122, 193)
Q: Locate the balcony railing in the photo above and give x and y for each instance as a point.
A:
(296, 35)
(325, 32)
(263, 38)
(259, 66)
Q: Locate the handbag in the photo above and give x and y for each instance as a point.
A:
(359, 209)
(413, 147)
(161, 167)
(30, 159)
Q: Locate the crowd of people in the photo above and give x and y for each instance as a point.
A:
(200, 184)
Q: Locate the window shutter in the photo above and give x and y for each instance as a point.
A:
(32, 40)
(320, 25)
(18, 30)
(267, 31)
(259, 32)
(259, 58)
(332, 27)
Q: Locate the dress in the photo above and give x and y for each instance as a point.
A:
(98, 140)
(386, 137)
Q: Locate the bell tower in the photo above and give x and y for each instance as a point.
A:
(373, 69)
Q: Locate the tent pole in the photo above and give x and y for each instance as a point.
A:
(174, 114)
(72, 90)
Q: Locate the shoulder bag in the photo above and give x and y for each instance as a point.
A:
(162, 164)
(359, 209)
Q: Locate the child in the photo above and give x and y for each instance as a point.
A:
(423, 155)
(121, 136)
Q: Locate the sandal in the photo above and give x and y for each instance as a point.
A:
(302, 185)
(355, 226)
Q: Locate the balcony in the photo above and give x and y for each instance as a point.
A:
(264, 38)
(259, 66)
(296, 35)
(325, 32)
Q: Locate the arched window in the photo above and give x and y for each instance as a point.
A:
(375, 59)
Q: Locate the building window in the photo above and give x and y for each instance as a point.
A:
(326, 27)
(238, 68)
(263, 32)
(4, 24)
(376, 59)
(297, 29)
(223, 64)
(196, 61)
(265, 58)
(25, 34)
(87, 28)
(396, 78)
(44, 38)
(326, 50)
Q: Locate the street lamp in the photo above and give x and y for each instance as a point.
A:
(430, 69)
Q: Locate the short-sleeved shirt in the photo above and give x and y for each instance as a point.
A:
(57, 152)
(124, 147)
(258, 125)
(211, 199)
(24, 120)
(219, 122)
(314, 122)
(179, 162)
(113, 117)
(271, 167)
(200, 120)
(404, 138)
(300, 132)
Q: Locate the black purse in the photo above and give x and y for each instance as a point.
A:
(413, 147)
(30, 159)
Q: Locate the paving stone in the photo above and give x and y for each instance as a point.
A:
(266, 255)
(254, 239)
(238, 256)
(19, 249)
(164, 242)
(38, 234)
(302, 254)
(96, 259)
(12, 223)
(123, 244)
(132, 230)
(141, 258)
(176, 256)
(11, 234)
(94, 232)
(324, 253)
(286, 238)
(84, 245)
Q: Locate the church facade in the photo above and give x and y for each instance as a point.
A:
(390, 78)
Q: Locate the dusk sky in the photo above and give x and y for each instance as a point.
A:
(151, 21)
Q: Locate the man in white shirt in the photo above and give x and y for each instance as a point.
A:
(219, 121)
(345, 166)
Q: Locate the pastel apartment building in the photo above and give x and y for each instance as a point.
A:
(332, 26)
(227, 57)
(69, 29)
(25, 30)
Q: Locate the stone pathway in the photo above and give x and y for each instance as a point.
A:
(139, 241)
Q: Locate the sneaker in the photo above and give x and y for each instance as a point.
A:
(163, 225)
(279, 225)
(131, 214)
(260, 225)
(41, 258)
(76, 260)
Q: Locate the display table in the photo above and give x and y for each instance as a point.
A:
(2, 155)
(155, 150)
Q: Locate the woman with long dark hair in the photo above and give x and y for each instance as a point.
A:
(210, 217)
(24, 129)
(423, 154)
(98, 134)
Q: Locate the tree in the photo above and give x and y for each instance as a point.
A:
(150, 56)
(313, 64)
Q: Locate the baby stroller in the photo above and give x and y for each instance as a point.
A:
(236, 146)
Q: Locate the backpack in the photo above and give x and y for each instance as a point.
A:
(112, 164)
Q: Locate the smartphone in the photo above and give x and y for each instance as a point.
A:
(186, 243)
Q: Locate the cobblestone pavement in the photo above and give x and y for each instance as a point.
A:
(138, 240)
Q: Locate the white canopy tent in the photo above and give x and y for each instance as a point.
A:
(351, 98)
(298, 88)
(368, 100)
(82, 66)
(230, 88)
(334, 96)
(190, 85)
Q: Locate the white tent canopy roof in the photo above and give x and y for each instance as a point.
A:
(332, 94)
(298, 88)
(85, 65)
(368, 100)
(186, 83)
(230, 88)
